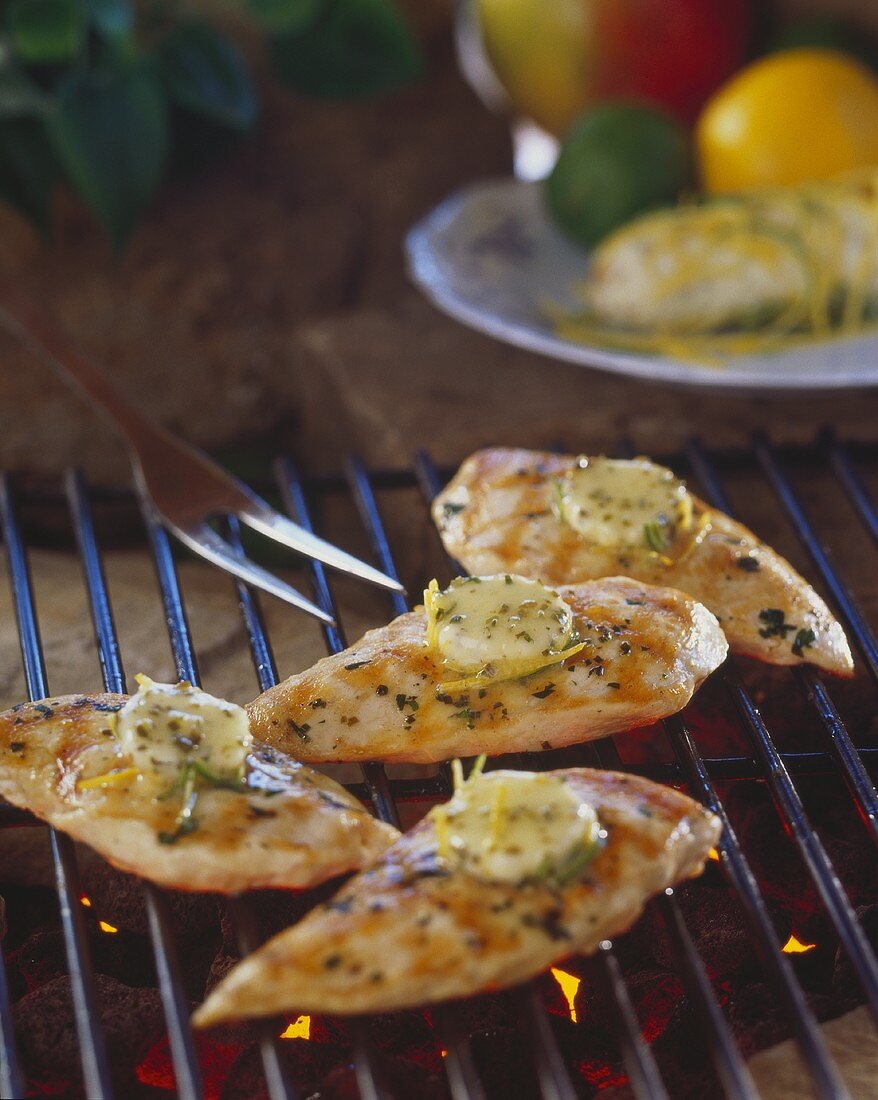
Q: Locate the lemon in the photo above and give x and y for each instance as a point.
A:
(794, 116)
(618, 160)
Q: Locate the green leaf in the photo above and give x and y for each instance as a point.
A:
(356, 48)
(203, 72)
(28, 170)
(45, 32)
(286, 15)
(19, 96)
(111, 18)
(110, 133)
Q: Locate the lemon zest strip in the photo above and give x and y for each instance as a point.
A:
(516, 672)
(698, 534)
(108, 779)
(430, 594)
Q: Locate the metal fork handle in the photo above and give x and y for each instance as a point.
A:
(36, 330)
(146, 437)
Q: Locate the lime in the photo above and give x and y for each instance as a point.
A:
(617, 161)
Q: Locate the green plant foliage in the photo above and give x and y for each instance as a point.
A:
(354, 48)
(286, 15)
(112, 105)
(28, 169)
(204, 73)
(109, 131)
(46, 32)
(20, 97)
(111, 19)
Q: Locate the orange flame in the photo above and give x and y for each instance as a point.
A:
(713, 854)
(796, 947)
(86, 901)
(298, 1029)
(569, 987)
(104, 927)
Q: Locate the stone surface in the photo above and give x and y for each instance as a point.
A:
(780, 1075)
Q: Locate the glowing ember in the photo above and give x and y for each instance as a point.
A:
(299, 1029)
(102, 924)
(713, 854)
(569, 986)
(796, 947)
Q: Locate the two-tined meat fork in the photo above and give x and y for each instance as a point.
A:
(181, 485)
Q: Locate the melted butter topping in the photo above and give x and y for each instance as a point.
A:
(165, 727)
(515, 827)
(624, 503)
(500, 626)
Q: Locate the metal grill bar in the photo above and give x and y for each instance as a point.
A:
(784, 792)
(176, 620)
(368, 1080)
(639, 1062)
(858, 781)
(726, 1057)
(734, 1075)
(11, 1080)
(461, 1070)
(820, 555)
(699, 773)
(792, 813)
(554, 1081)
(737, 871)
(95, 1068)
(855, 487)
(174, 1001)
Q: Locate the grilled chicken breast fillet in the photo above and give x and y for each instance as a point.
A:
(496, 515)
(382, 700)
(408, 932)
(288, 827)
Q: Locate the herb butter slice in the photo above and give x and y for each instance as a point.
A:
(517, 827)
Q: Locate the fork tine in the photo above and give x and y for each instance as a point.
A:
(264, 519)
(205, 542)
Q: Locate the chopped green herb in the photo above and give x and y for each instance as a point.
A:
(803, 638)
(301, 731)
(656, 537)
(449, 508)
(749, 565)
(775, 626)
(468, 715)
(571, 866)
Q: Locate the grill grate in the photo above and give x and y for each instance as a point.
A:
(700, 774)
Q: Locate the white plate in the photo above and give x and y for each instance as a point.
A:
(490, 257)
